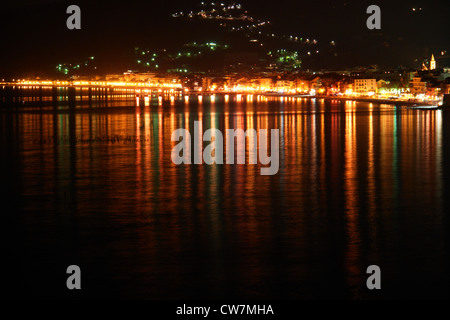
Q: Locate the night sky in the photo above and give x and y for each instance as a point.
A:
(34, 36)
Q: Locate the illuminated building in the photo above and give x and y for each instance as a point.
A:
(136, 76)
(284, 85)
(206, 83)
(365, 86)
(418, 86)
(114, 77)
(424, 67)
(432, 63)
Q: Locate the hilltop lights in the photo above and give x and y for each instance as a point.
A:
(68, 67)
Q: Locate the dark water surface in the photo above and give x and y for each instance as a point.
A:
(93, 184)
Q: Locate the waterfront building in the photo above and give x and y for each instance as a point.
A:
(366, 86)
(418, 86)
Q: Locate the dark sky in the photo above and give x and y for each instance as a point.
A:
(34, 36)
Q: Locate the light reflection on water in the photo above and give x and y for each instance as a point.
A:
(358, 184)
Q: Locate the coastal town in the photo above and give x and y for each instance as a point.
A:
(426, 86)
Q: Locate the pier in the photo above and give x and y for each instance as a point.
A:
(38, 91)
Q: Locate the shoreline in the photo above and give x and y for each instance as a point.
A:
(275, 94)
(380, 101)
(344, 98)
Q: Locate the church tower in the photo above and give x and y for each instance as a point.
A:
(432, 63)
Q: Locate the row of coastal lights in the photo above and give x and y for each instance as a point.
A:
(101, 83)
